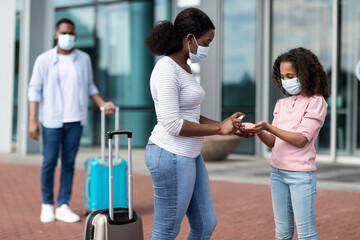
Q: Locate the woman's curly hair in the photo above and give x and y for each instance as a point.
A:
(309, 71)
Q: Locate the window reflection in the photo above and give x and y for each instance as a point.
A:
(303, 23)
(348, 99)
(16, 76)
(239, 45)
(18, 5)
(69, 3)
(124, 64)
(162, 10)
(113, 35)
(107, 0)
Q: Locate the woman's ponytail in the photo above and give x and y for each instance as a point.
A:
(163, 39)
(166, 38)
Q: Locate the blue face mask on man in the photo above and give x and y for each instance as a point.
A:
(201, 54)
(291, 86)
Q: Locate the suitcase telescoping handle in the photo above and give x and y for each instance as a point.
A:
(103, 136)
(110, 135)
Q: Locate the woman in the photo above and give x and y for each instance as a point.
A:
(173, 153)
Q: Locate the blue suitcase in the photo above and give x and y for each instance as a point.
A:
(116, 223)
(96, 175)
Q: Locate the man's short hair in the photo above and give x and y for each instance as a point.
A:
(64, 20)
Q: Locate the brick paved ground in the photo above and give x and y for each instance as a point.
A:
(244, 210)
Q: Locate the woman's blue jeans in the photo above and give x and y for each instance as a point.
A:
(68, 138)
(181, 186)
(293, 196)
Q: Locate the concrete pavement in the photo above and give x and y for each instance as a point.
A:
(240, 190)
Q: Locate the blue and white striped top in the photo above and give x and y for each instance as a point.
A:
(177, 96)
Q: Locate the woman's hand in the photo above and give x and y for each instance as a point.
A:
(236, 121)
(231, 124)
(226, 127)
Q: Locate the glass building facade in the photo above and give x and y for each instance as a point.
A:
(239, 52)
(113, 34)
(250, 34)
(326, 27)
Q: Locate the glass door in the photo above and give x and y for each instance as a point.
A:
(308, 24)
(239, 51)
(348, 87)
(124, 64)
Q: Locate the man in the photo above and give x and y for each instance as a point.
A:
(59, 87)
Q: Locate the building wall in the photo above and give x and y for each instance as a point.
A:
(237, 74)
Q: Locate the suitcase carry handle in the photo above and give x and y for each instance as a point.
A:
(103, 136)
(110, 135)
(119, 132)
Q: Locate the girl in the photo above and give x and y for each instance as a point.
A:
(172, 155)
(292, 135)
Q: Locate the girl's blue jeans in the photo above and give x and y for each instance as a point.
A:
(67, 139)
(293, 196)
(181, 186)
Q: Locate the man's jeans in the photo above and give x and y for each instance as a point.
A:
(68, 137)
(293, 195)
(181, 186)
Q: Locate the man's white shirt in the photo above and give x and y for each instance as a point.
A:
(70, 88)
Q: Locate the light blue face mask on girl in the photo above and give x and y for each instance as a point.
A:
(201, 54)
(291, 86)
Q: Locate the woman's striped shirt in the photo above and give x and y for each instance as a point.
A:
(177, 96)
